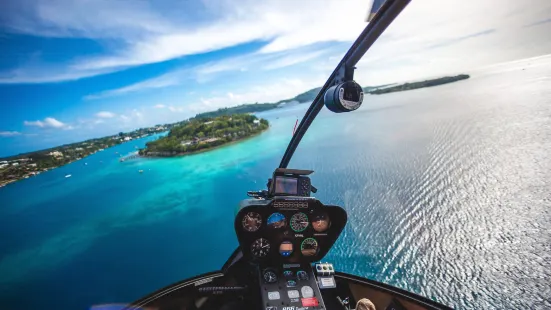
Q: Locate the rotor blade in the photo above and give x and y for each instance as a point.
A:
(384, 17)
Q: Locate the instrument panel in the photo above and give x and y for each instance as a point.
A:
(288, 229)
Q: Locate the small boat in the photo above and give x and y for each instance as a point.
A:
(68, 176)
(140, 171)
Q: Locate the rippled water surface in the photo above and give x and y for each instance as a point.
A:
(448, 191)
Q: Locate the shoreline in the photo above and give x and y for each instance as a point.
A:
(28, 176)
(207, 149)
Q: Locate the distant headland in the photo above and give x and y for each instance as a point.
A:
(421, 84)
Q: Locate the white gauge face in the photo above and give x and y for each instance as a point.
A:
(270, 276)
(251, 221)
(307, 291)
(260, 247)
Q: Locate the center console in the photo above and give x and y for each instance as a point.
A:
(289, 287)
(282, 238)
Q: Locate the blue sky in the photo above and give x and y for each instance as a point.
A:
(75, 69)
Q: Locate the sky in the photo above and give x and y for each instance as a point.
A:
(71, 70)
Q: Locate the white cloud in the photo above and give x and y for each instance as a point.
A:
(9, 133)
(463, 36)
(165, 80)
(105, 114)
(420, 42)
(35, 72)
(147, 34)
(48, 122)
(203, 73)
(159, 106)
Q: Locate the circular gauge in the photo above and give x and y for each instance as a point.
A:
(299, 222)
(286, 248)
(251, 221)
(309, 247)
(321, 222)
(302, 275)
(260, 247)
(276, 220)
(269, 276)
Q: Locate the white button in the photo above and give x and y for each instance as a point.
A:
(307, 292)
(273, 295)
(293, 294)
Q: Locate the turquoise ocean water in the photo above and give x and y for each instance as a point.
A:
(447, 191)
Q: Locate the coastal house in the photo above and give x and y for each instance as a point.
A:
(187, 142)
(56, 154)
(209, 140)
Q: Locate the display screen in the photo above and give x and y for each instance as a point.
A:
(284, 185)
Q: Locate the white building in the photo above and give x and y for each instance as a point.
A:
(127, 138)
(56, 154)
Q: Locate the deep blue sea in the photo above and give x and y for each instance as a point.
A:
(448, 191)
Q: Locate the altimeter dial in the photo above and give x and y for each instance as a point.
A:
(260, 247)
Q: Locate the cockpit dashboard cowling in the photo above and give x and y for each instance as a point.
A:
(288, 229)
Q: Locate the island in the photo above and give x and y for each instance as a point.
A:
(201, 134)
(422, 84)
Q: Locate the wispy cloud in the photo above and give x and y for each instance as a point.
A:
(540, 22)
(166, 80)
(9, 133)
(48, 122)
(462, 38)
(150, 32)
(159, 106)
(206, 72)
(147, 33)
(105, 114)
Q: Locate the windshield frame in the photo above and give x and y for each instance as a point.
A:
(345, 69)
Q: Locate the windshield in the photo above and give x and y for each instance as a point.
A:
(118, 180)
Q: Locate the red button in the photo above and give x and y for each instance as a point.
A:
(310, 302)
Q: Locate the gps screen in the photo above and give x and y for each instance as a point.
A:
(285, 185)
